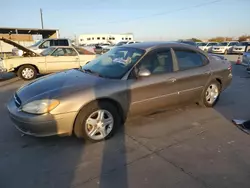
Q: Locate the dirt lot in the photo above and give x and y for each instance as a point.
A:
(186, 147)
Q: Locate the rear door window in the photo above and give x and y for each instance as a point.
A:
(63, 42)
(188, 59)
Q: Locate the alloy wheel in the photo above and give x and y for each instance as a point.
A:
(212, 93)
(28, 73)
(99, 124)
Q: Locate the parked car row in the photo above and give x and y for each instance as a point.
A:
(230, 47)
(101, 48)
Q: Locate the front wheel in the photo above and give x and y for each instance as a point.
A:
(27, 72)
(97, 121)
(211, 94)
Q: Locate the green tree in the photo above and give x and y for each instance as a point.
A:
(196, 40)
(220, 39)
(244, 38)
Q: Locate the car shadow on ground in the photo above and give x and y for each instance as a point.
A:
(57, 161)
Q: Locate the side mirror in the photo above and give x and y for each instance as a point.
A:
(144, 73)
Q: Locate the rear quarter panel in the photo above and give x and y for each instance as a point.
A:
(221, 71)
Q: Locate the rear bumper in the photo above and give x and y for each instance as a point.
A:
(227, 81)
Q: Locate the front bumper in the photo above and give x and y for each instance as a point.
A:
(237, 51)
(220, 51)
(3, 69)
(41, 125)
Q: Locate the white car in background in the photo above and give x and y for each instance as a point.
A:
(207, 47)
(126, 42)
(240, 47)
(224, 47)
(201, 44)
(42, 45)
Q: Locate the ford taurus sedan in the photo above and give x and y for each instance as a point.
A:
(93, 101)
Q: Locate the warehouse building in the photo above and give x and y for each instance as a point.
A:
(24, 36)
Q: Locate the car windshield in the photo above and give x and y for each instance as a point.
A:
(222, 44)
(37, 43)
(201, 44)
(242, 44)
(211, 44)
(115, 63)
(48, 51)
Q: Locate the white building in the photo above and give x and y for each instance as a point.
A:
(104, 38)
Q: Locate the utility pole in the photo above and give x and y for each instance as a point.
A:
(41, 14)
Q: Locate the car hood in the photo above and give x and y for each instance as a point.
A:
(239, 46)
(58, 84)
(24, 49)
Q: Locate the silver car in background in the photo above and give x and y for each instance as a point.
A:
(240, 47)
(246, 58)
(208, 47)
(224, 47)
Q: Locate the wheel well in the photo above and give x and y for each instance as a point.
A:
(16, 69)
(220, 82)
(113, 102)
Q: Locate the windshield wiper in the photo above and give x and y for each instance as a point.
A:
(91, 72)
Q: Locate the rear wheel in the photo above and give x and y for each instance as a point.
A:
(97, 121)
(211, 94)
(27, 72)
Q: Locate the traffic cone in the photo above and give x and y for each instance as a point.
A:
(238, 62)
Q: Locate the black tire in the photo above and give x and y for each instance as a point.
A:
(22, 68)
(85, 112)
(203, 101)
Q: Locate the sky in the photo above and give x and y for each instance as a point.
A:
(146, 19)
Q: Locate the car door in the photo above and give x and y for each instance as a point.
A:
(158, 90)
(62, 59)
(193, 73)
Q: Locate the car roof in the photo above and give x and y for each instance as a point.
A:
(55, 39)
(61, 47)
(152, 45)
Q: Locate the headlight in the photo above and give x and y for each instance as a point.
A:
(40, 106)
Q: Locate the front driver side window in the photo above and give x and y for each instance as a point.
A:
(58, 52)
(46, 44)
(158, 62)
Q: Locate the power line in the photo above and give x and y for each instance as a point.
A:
(163, 13)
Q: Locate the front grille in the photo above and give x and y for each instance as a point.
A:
(18, 101)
